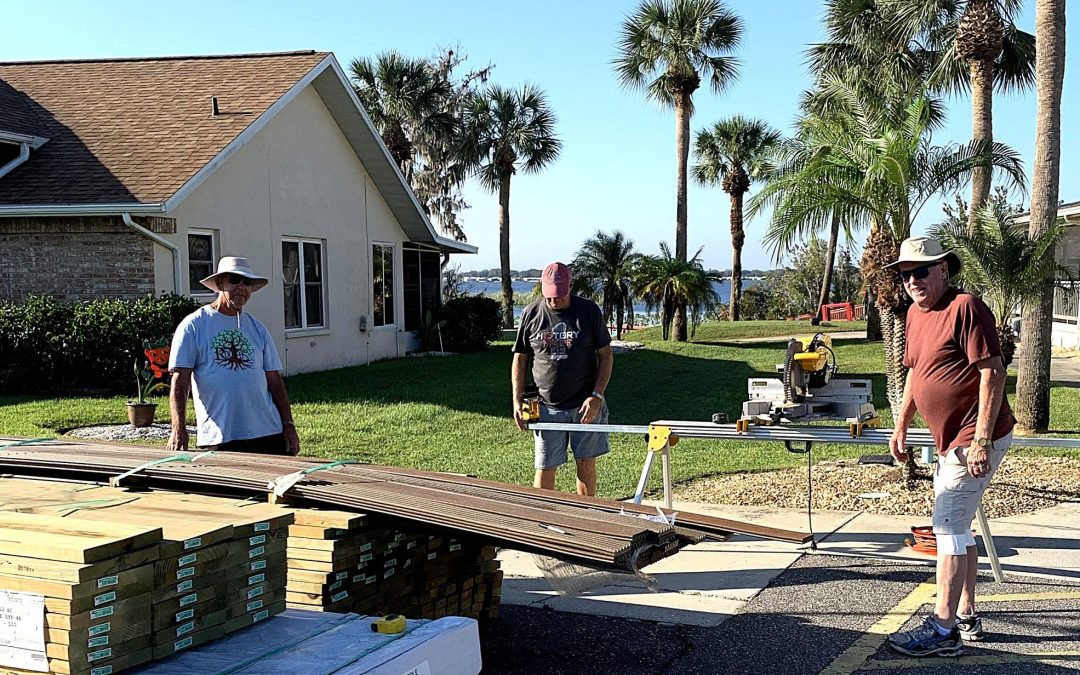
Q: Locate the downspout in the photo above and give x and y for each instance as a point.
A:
(178, 278)
(24, 154)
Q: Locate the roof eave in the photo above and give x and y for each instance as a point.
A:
(45, 210)
(1070, 213)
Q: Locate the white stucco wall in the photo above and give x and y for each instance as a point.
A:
(298, 177)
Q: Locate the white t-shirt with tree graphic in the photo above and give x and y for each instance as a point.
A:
(229, 362)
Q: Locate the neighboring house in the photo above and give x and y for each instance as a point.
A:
(123, 177)
(1066, 326)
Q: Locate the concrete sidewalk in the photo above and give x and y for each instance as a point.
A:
(705, 584)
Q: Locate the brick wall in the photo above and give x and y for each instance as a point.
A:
(76, 259)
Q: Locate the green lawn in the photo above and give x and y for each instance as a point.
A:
(718, 331)
(453, 413)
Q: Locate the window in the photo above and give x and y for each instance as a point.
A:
(420, 271)
(302, 274)
(382, 290)
(201, 257)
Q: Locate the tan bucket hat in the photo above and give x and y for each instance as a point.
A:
(238, 266)
(926, 250)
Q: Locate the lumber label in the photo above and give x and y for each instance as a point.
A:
(22, 630)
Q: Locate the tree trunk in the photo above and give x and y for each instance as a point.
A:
(873, 319)
(893, 328)
(830, 262)
(738, 238)
(1033, 381)
(982, 129)
(682, 148)
(619, 320)
(504, 250)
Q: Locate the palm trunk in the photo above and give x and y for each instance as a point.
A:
(504, 250)
(982, 129)
(1033, 380)
(738, 238)
(682, 148)
(830, 262)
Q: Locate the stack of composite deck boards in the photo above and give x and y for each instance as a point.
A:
(97, 581)
(220, 564)
(341, 562)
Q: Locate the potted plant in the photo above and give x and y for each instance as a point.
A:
(149, 378)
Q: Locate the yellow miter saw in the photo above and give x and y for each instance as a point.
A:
(806, 390)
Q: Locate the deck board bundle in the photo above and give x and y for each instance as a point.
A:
(220, 564)
(344, 562)
(96, 579)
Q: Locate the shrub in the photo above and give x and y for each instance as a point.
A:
(472, 322)
(50, 346)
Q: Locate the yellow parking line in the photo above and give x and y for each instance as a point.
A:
(855, 656)
(1010, 597)
(988, 660)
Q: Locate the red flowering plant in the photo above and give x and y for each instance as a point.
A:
(150, 375)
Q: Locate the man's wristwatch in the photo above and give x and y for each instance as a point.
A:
(598, 395)
(984, 442)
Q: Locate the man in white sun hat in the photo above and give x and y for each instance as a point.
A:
(956, 381)
(228, 362)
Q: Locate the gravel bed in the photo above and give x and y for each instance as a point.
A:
(123, 432)
(1021, 485)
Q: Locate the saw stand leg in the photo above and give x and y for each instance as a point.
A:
(988, 542)
(660, 440)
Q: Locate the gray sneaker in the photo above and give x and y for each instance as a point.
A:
(970, 627)
(924, 640)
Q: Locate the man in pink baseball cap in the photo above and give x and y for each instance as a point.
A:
(570, 346)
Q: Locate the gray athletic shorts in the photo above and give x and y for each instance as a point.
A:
(550, 446)
(957, 493)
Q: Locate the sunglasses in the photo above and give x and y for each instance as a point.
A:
(236, 280)
(917, 273)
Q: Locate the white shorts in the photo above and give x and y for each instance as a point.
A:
(957, 493)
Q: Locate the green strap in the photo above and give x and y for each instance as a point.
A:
(72, 507)
(182, 457)
(330, 465)
(28, 441)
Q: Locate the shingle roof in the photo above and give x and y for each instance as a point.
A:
(132, 130)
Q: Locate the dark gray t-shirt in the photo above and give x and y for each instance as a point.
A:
(563, 348)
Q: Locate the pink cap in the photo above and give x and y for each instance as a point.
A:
(555, 281)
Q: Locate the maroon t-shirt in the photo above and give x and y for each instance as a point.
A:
(943, 345)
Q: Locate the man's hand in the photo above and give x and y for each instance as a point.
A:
(978, 460)
(517, 418)
(590, 409)
(292, 439)
(898, 444)
(178, 440)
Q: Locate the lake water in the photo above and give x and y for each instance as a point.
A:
(722, 288)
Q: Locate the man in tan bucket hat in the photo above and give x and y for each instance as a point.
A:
(956, 381)
(228, 362)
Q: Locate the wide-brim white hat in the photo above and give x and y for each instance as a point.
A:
(234, 265)
(926, 250)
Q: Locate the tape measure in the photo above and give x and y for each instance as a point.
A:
(389, 624)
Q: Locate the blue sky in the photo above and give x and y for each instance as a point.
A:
(617, 168)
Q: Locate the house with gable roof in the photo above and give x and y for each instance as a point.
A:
(122, 177)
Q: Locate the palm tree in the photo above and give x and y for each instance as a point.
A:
(733, 153)
(970, 44)
(603, 267)
(405, 99)
(1033, 379)
(666, 48)
(872, 164)
(1001, 263)
(667, 283)
(505, 131)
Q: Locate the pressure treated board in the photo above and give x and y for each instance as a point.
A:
(41, 568)
(53, 538)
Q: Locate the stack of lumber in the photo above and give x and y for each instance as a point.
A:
(220, 564)
(343, 562)
(97, 581)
